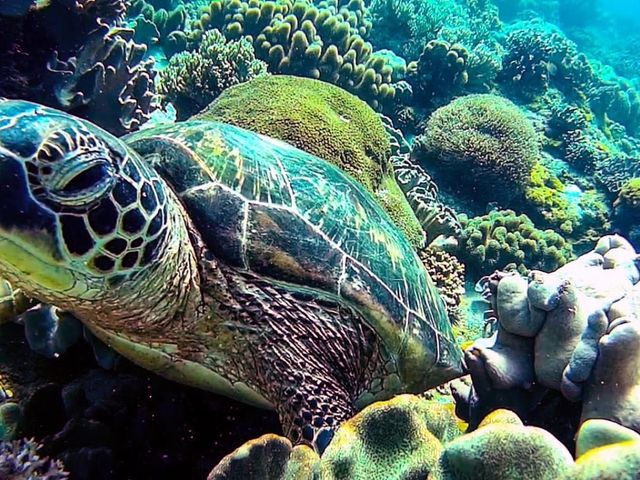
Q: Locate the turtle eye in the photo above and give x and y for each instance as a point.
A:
(72, 169)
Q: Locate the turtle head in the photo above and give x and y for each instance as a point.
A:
(81, 216)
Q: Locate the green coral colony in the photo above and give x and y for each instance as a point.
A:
(409, 228)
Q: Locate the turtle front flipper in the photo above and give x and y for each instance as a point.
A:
(311, 355)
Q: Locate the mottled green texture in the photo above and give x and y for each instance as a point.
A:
(488, 138)
(269, 457)
(395, 440)
(501, 237)
(544, 198)
(326, 121)
(193, 79)
(629, 195)
(598, 433)
(505, 451)
(620, 461)
(322, 40)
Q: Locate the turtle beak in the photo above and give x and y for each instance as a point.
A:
(29, 254)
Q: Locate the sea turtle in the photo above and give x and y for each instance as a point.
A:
(222, 259)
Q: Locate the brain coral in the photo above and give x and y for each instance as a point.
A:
(192, 80)
(326, 121)
(323, 41)
(485, 136)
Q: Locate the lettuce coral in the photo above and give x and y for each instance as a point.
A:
(192, 80)
(81, 62)
(487, 137)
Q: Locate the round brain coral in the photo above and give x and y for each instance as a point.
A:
(482, 142)
(326, 121)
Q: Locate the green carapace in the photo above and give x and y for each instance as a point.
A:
(222, 259)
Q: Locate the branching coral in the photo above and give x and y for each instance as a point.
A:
(192, 80)
(81, 61)
(485, 136)
(499, 238)
(19, 460)
(440, 73)
(322, 42)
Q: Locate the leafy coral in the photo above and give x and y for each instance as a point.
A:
(491, 242)
(326, 121)
(192, 80)
(487, 137)
(81, 62)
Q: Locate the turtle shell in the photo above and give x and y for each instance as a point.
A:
(288, 216)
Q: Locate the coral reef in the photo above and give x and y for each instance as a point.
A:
(323, 42)
(19, 460)
(500, 238)
(539, 55)
(627, 209)
(487, 137)
(192, 80)
(419, 188)
(326, 121)
(86, 65)
(270, 457)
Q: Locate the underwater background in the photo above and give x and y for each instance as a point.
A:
(498, 135)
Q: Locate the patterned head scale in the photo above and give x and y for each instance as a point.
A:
(77, 208)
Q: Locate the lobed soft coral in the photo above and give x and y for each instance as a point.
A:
(500, 238)
(440, 72)
(539, 55)
(323, 42)
(159, 27)
(487, 137)
(192, 80)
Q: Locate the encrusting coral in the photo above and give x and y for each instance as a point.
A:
(192, 80)
(326, 121)
(486, 136)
